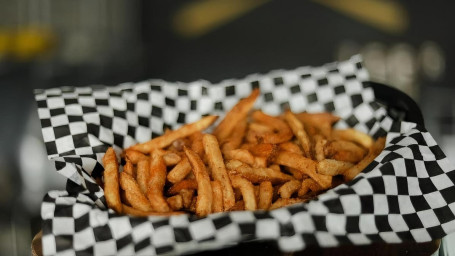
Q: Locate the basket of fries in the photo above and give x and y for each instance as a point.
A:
(293, 157)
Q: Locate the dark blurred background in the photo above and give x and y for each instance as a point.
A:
(53, 43)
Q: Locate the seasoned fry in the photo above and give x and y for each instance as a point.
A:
(319, 145)
(281, 202)
(239, 154)
(135, 212)
(281, 133)
(196, 144)
(353, 135)
(265, 195)
(143, 174)
(204, 188)
(235, 115)
(133, 193)
(184, 184)
(307, 185)
(289, 188)
(175, 202)
(290, 147)
(167, 139)
(217, 189)
(260, 162)
(343, 150)
(216, 164)
(171, 158)
(318, 122)
(299, 132)
(236, 138)
(180, 171)
(134, 156)
(129, 168)
(305, 165)
(333, 167)
(375, 150)
(247, 190)
(256, 175)
(187, 197)
(238, 206)
(111, 181)
(156, 183)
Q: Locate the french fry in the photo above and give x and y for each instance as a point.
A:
(217, 190)
(305, 165)
(180, 171)
(265, 195)
(343, 150)
(156, 183)
(307, 185)
(290, 147)
(299, 132)
(187, 197)
(184, 184)
(143, 174)
(138, 213)
(256, 175)
(175, 202)
(235, 115)
(167, 139)
(356, 136)
(333, 167)
(134, 156)
(133, 193)
(247, 190)
(289, 188)
(375, 150)
(319, 145)
(111, 181)
(196, 144)
(238, 206)
(259, 128)
(322, 122)
(239, 154)
(129, 168)
(260, 162)
(236, 138)
(204, 188)
(171, 158)
(281, 133)
(281, 202)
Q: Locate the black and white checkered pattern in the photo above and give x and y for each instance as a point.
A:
(406, 194)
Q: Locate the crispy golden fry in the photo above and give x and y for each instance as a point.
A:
(239, 154)
(196, 144)
(235, 116)
(204, 188)
(333, 167)
(259, 128)
(216, 164)
(344, 150)
(178, 144)
(143, 174)
(171, 158)
(138, 213)
(247, 190)
(134, 156)
(319, 145)
(322, 122)
(180, 171)
(356, 136)
(184, 184)
(236, 138)
(265, 195)
(111, 181)
(299, 132)
(374, 151)
(305, 165)
(256, 175)
(133, 193)
(307, 185)
(175, 202)
(298, 175)
(282, 132)
(156, 183)
(260, 162)
(167, 139)
(264, 150)
(275, 167)
(281, 202)
(217, 189)
(290, 147)
(238, 206)
(129, 168)
(289, 188)
(187, 197)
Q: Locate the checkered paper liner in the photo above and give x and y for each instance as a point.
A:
(406, 194)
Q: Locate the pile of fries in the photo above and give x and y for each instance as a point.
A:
(251, 161)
